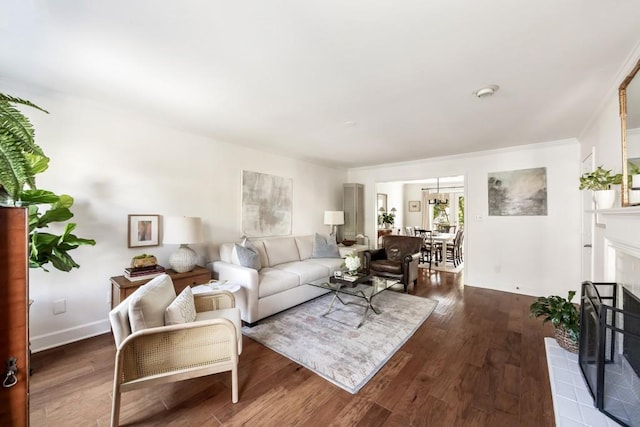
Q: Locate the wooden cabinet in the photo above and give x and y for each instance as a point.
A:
(14, 313)
(353, 207)
(122, 288)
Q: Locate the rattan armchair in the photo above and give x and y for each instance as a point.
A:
(163, 354)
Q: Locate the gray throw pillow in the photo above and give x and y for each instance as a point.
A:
(325, 247)
(246, 256)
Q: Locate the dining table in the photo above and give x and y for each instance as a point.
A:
(444, 239)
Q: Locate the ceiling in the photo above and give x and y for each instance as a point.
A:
(343, 83)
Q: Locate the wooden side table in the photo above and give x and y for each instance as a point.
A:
(121, 287)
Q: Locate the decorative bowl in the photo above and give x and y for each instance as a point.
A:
(348, 242)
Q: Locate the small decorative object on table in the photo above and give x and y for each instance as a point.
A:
(144, 260)
(348, 242)
(563, 315)
(352, 262)
(350, 281)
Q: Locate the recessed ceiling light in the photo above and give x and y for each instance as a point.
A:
(486, 91)
(350, 123)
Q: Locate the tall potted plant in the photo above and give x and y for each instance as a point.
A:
(600, 181)
(21, 159)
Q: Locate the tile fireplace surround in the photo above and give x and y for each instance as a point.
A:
(572, 403)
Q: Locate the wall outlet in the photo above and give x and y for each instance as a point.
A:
(60, 306)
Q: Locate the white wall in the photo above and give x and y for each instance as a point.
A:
(115, 165)
(535, 255)
(602, 135)
(413, 192)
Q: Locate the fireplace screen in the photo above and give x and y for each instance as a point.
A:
(609, 354)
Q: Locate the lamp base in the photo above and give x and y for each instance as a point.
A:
(183, 260)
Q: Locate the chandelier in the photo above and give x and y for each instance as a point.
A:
(438, 198)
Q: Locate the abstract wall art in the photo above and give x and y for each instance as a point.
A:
(519, 192)
(266, 204)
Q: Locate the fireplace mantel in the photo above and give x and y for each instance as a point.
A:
(632, 210)
(621, 225)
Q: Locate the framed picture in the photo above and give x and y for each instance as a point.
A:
(143, 230)
(414, 206)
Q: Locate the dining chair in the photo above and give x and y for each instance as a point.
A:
(426, 251)
(454, 251)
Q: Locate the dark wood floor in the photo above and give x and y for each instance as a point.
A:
(478, 360)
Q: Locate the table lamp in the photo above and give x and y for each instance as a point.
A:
(333, 218)
(183, 230)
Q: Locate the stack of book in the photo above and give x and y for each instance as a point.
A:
(135, 274)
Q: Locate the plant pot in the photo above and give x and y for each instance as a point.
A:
(564, 340)
(604, 199)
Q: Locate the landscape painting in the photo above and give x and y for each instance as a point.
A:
(518, 192)
(266, 204)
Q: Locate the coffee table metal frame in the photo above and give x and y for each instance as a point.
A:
(366, 291)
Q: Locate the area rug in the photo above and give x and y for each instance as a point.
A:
(332, 346)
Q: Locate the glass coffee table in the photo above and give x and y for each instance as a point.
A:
(366, 287)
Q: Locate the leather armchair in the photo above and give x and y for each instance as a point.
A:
(397, 259)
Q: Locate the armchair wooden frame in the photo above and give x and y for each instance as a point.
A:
(177, 352)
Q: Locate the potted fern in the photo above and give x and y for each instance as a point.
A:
(21, 159)
(564, 316)
(600, 181)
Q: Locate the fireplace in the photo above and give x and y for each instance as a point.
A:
(609, 354)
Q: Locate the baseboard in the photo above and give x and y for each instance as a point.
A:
(66, 336)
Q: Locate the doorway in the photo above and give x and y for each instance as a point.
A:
(429, 203)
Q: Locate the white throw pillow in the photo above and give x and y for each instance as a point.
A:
(182, 309)
(148, 303)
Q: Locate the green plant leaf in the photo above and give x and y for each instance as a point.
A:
(16, 143)
(31, 197)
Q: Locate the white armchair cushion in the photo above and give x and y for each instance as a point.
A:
(182, 309)
(149, 302)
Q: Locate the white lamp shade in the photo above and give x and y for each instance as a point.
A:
(182, 230)
(333, 217)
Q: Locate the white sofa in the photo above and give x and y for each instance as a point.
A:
(287, 264)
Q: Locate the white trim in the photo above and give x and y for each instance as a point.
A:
(67, 336)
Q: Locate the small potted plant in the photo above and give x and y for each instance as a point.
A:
(600, 181)
(564, 316)
(387, 219)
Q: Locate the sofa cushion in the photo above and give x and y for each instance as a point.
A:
(325, 247)
(182, 309)
(307, 271)
(281, 250)
(273, 281)
(305, 246)
(332, 264)
(149, 302)
(246, 255)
